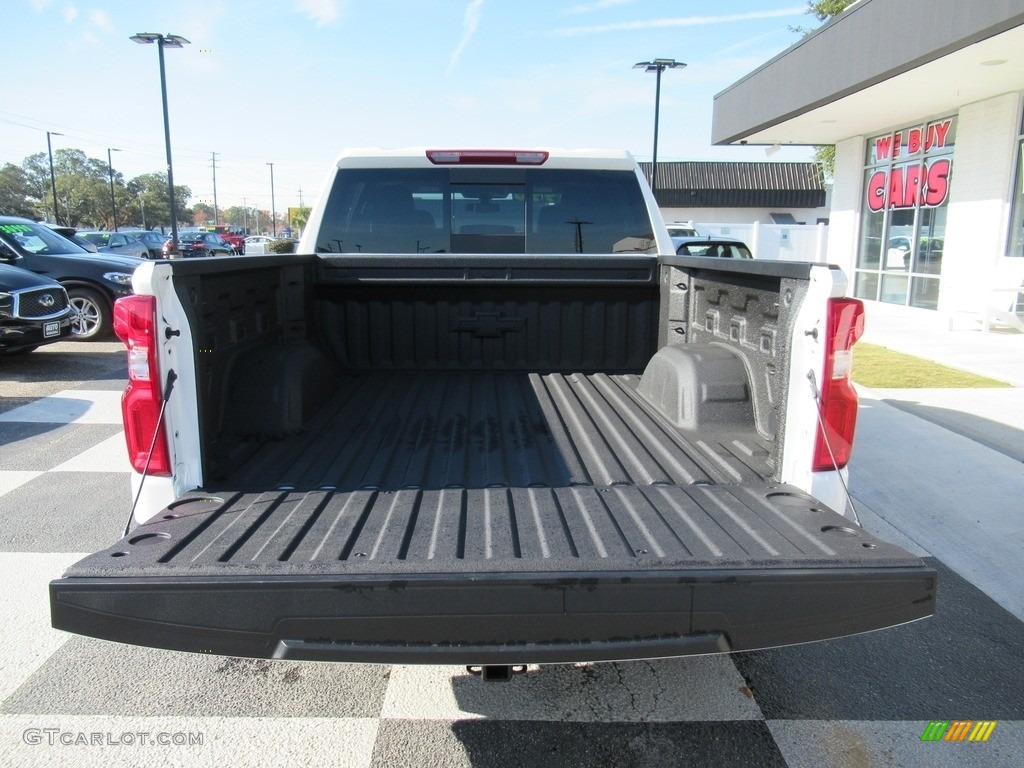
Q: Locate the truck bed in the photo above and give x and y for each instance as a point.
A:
(493, 518)
(542, 459)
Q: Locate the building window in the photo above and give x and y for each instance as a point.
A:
(907, 178)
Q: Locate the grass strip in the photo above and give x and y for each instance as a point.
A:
(883, 368)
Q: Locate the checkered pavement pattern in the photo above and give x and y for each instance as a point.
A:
(73, 701)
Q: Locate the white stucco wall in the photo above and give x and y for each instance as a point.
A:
(979, 201)
(844, 221)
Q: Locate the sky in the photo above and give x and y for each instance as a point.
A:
(294, 82)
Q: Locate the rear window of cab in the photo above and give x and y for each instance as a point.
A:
(485, 210)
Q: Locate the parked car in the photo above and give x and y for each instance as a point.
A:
(93, 280)
(34, 310)
(153, 240)
(116, 242)
(258, 244)
(233, 235)
(194, 243)
(72, 234)
(678, 230)
(722, 247)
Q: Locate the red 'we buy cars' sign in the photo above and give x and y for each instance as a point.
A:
(907, 186)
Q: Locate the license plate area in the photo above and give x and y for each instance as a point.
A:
(51, 329)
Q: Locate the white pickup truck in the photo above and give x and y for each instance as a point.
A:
(487, 416)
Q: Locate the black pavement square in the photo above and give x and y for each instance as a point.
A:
(546, 744)
(40, 447)
(65, 512)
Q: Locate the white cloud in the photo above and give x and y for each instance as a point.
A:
(102, 21)
(70, 13)
(40, 5)
(323, 12)
(683, 21)
(469, 24)
(600, 5)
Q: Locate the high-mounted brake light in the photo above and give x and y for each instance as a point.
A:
(135, 325)
(486, 157)
(838, 403)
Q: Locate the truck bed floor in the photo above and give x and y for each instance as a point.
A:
(435, 430)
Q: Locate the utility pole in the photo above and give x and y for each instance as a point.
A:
(110, 170)
(216, 216)
(53, 176)
(273, 207)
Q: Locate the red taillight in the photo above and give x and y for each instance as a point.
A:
(486, 157)
(838, 397)
(135, 325)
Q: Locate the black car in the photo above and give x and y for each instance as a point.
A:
(192, 244)
(153, 240)
(34, 310)
(93, 280)
(720, 247)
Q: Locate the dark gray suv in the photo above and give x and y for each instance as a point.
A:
(93, 280)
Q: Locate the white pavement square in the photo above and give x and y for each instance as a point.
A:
(70, 406)
(103, 741)
(30, 640)
(109, 456)
(13, 478)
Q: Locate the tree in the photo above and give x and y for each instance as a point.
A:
(240, 216)
(300, 216)
(202, 214)
(149, 203)
(823, 10)
(16, 198)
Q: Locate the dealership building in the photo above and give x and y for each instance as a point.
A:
(924, 102)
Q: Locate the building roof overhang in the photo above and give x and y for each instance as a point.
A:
(879, 65)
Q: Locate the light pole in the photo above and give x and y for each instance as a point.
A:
(657, 66)
(165, 41)
(110, 170)
(142, 204)
(273, 208)
(216, 216)
(53, 176)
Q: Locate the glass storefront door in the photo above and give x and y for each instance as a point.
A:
(903, 223)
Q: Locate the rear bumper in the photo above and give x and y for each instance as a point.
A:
(509, 619)
(17, 333)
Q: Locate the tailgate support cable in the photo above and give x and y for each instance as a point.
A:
(824, 433)
(171, 378)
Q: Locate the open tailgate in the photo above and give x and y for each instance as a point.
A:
(492, 575)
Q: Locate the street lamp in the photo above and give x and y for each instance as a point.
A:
(273, 208)
(110, 170)
(165, 41)
(53, 177)
(657, 66)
